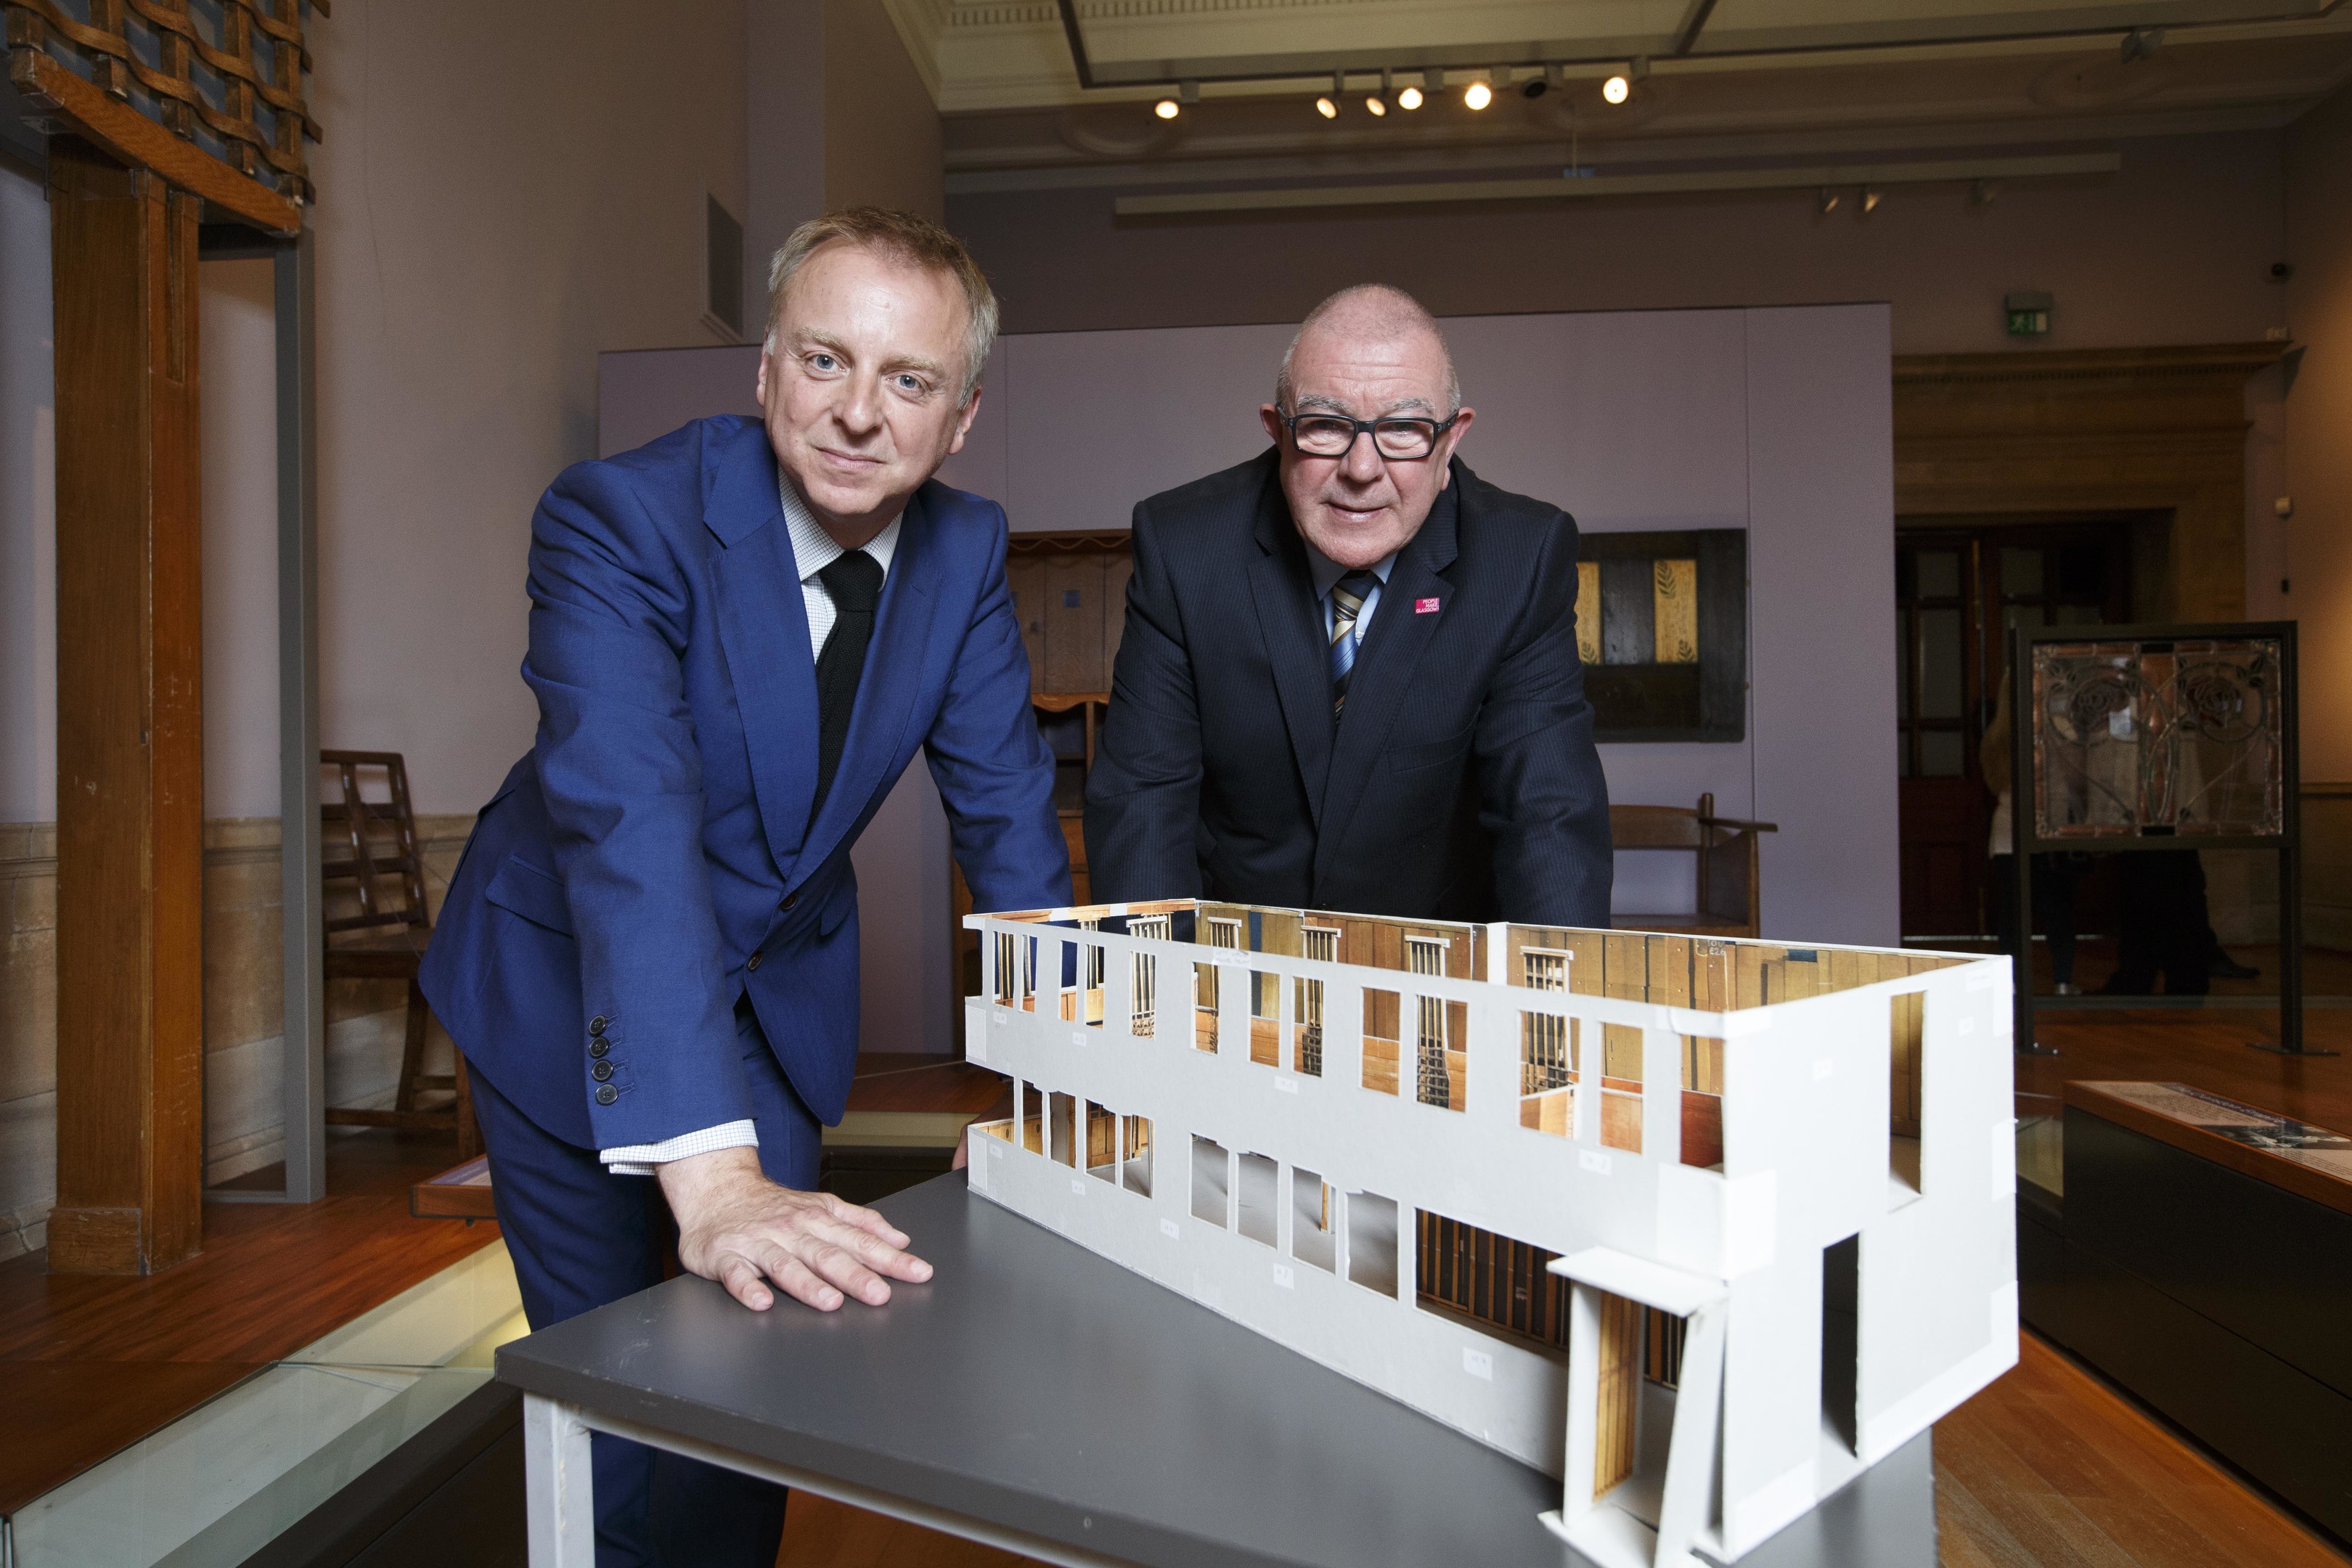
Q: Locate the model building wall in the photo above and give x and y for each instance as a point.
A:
(1235, 1106)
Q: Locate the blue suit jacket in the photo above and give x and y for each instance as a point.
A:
(652, 859)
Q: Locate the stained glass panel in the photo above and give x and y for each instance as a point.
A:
(2180, 737)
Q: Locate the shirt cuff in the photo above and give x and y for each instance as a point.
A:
(639, 1159)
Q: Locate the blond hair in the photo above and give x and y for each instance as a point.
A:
(903, 237)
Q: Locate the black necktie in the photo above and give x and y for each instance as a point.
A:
(854, 582)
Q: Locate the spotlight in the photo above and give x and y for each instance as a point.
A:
(1478, 95)
(1410, 99)
(1328, 106)
(1871, 198)
(1166, 109)
(1618, 87)
(1376, 105)
(1829, 199)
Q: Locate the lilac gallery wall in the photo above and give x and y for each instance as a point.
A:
(1774, 421)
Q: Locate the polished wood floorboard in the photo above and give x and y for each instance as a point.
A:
(822, 1533)
(2050, 1468)
(2205, 1048)
(912, 1082)
(2326, 972)
(90, 1364)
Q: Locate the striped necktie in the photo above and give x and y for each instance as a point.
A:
(1348, 595)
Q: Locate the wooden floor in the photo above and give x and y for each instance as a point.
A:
(2325, 974)
(2051, 1469)
(90, 1364)
(2205, 1048)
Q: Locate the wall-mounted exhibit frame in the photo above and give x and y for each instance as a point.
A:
(294, 294)
(2158, 739)
(1662, 627)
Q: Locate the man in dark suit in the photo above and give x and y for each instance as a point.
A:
(739, 636)
(1349, 679)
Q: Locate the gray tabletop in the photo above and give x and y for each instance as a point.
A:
(1035, 1386)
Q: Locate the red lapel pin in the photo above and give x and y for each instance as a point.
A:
(1424, 606)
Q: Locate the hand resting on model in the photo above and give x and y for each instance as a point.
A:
(737, 1226)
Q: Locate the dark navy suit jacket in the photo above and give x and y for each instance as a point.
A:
(652, 857)
(1461, 782)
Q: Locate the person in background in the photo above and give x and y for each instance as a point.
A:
(2054, 876)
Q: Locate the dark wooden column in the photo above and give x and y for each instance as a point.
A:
(129, 719)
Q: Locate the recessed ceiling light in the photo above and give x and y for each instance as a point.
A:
(1166, 109)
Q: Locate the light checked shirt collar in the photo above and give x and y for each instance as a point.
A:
(814, 548)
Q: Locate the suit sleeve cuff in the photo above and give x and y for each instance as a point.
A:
(639, 1159)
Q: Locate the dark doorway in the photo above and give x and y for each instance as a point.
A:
(1961, 586)
(1841, 1338)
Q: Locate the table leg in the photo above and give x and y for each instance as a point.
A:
(558, 1487)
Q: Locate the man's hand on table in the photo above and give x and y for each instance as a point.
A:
(737, 1226)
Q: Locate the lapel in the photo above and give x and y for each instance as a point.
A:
(1290, 622)
(886, 690)
(763, 627)
(1386, 666)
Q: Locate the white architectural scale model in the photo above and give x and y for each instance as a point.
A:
(1704, 1228)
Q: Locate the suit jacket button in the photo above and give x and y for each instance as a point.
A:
(607, 1095)
(601, 1071)
(754, 963)
(792, 901)
(598, 1047)
(596, 1025)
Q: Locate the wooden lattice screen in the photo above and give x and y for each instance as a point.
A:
(222, 76)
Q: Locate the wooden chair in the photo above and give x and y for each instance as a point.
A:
(370, 849)
(1726, 852)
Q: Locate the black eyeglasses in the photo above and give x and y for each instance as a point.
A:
(1320, 435)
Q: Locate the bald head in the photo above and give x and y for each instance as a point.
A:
(1368, 355)
(1370, 315)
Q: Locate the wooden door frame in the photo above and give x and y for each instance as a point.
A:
(127, 196)
(2092, 430)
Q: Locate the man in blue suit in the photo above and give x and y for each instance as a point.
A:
(739, 636)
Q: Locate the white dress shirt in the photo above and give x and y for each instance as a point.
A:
(814, 550)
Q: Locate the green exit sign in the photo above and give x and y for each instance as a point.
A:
(2029, 315)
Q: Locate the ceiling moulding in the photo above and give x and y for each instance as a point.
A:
(991, 54)
(1138, 41)
(1307, 198)
(970, 178)
(922, 26)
